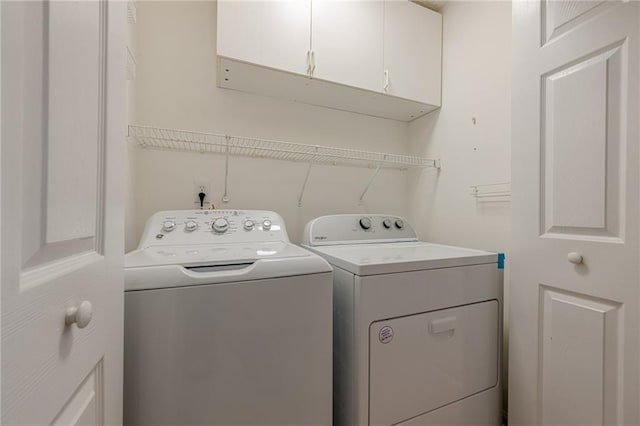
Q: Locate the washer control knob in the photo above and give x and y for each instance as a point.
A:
(190, 226)
(220, 225)
(399, 223)
(249, 224)
(266, 224)
(365, 223)
(387, 223)
(168, 225)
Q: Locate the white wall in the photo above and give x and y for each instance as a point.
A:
(476, 84)
(175, 88)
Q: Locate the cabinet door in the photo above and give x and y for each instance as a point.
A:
(269, 33)
(346, 40)
(413, 51)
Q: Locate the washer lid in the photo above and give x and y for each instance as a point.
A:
(184, 266)
(213, 254)
(385, 258)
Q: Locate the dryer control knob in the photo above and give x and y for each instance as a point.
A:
(365, 223)
(220, 225)
(248, 225)
(190, 226)
(168, 225)
(399, 223)
(266, 224)
(387, 223)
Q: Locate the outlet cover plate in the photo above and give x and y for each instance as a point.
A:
(201, 186)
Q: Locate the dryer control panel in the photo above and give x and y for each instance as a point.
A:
(357, 228)
(176, 227)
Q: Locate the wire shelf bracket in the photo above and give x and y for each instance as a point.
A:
(373, 177)
(306, 179)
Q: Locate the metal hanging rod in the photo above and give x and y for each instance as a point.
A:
(182, 140)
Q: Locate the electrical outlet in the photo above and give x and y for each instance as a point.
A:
(198, 187)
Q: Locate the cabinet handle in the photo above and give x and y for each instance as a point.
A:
(386, 80)
(309, 63)
(313, 61)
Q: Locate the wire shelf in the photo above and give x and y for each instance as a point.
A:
(491, 191)
(188, 141)
(132, 12)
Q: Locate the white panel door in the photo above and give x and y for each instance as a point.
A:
(573, 346)
(412, 51)
(62, 214)
(346, 42)
(274, 34)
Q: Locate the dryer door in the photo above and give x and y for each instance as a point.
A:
(421, 362)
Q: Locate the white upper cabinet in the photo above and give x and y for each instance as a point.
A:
(381, 58)
(412, 51)
(347, 42)
(275, 34)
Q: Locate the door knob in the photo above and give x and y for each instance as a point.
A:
(575, 258)
(80, 315)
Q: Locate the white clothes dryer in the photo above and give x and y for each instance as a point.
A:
(226, 322)
(417, 326)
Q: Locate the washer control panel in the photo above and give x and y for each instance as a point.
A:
(355, 228)
(177, 227)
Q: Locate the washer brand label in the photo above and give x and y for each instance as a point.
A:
(386, 334)
(319, 237)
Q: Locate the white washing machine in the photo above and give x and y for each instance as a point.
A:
(417, 326)
(226, 323)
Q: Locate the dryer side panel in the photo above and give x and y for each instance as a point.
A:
(344, 371)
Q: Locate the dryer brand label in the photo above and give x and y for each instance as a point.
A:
(386, 334)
